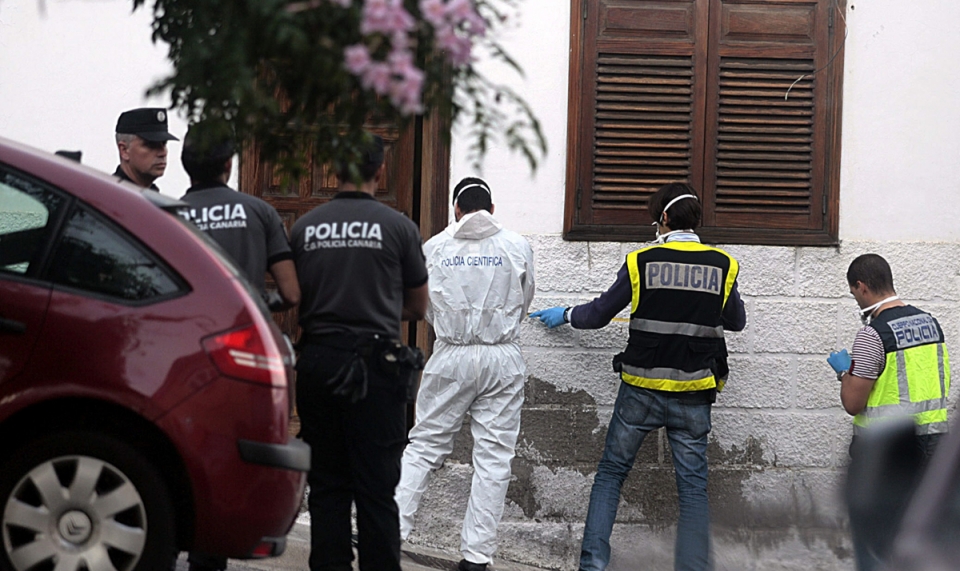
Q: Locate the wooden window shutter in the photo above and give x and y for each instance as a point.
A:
(641, 95)
(707, 92)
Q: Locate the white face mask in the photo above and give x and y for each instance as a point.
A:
(866, 314)
(661, 238)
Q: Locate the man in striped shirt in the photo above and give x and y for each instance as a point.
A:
(899, 368)
(899, 365)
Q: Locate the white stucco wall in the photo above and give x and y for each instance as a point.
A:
(529, 202)
(901, 125)
(66, 75)
(900, 169)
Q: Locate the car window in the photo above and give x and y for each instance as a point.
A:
(95, 256)
(26, 212)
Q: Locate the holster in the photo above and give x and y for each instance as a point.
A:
(392, 359)
(402, 361)
(618, 363)
(720, 368)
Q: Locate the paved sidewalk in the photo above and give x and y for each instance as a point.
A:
(298, 549)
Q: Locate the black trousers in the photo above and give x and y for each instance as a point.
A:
(872, 535)
(356, 451)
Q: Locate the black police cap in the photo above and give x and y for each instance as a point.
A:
(213, 151)
(148, 123)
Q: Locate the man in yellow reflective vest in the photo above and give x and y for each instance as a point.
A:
(898, 367)
(682, 295)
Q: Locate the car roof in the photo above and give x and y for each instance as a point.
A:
(86, 183)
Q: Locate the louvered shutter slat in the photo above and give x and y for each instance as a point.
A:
(639, 130)
(752, 107)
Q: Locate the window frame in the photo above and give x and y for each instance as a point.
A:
(580, 152)
(181, 287)
(36, 273)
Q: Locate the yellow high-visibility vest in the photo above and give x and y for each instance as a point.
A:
(916, 377)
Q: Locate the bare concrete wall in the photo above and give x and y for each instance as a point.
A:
(778, 448)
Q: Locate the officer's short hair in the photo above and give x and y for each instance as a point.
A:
(370, 161)
(684, 214)
(204, 159)
(872, 270)
(473, 194)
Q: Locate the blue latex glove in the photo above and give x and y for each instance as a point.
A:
(840, 361)
(552, 317)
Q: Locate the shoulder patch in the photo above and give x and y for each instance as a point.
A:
(914, 330)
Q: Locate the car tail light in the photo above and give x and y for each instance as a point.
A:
(243, 354)
(269, 547)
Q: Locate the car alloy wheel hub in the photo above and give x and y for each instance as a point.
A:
(74, 513)
(75, 527)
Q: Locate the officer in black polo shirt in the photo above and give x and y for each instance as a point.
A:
(362, 272)
(142, 137)
(246, 227)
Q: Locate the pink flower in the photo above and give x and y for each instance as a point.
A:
(476, 26)
(457, 48)
(377, 76)
(401, 20)
(434, 12)
(401, 61)
(406, 93)
(385, 16)
(459, 10)
(399, 41)
(407, 86)
(356, 58)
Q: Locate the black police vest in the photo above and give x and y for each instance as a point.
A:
(676, 333)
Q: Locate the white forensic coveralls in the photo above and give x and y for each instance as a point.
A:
(481, 285)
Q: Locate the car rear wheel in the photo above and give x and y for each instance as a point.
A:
(84, 500)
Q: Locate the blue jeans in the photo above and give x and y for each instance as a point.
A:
(637, 412)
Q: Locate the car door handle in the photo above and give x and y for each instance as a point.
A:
(11, 326)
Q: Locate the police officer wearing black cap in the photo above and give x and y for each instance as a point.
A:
(142, 137)
(246, 227)
(362, 272)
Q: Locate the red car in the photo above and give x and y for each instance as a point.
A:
(144, 398)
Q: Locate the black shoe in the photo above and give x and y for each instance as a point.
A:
(468, 566)
(204, 562)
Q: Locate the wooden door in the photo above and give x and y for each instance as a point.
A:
(416, 184)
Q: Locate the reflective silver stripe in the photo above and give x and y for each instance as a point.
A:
(670, 328)
(902, 383)
(666, 373)
(933, 428)
(943, 388)
(904, 409)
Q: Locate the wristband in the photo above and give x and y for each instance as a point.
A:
(840, 374)
(566, 315)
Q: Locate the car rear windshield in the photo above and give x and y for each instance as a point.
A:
(224, 259)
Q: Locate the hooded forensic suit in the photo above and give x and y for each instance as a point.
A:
(481, 285)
